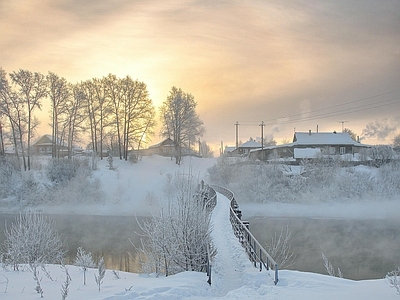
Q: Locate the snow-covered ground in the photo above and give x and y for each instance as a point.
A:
(134, 189)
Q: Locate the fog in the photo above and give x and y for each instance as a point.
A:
(349, 214)
(362, 249)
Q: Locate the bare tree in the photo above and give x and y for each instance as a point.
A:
(205, 150)
(59, 94)
(11, 109)
(138, 113)
(180, 121)
(396, 141)
(352, 134)
(113, 92)
(74, 119)
(32, 88)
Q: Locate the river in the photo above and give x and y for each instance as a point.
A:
(362, 249)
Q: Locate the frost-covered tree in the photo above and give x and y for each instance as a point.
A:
(32, 239)
(393, 278)
(380, 154)
(330, 269)
(101, 273)
(280, 249)
(179, 236)
(31, 89)
(84, 261)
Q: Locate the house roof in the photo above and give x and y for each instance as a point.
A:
(323, 138)
(166, 142)
(250, 144)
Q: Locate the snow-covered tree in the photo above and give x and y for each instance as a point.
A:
(32, 239)
(393, 279)
(178, 237)
(84, 261)
(280, 249)
(101, 268)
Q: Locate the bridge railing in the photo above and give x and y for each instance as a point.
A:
(256, 252)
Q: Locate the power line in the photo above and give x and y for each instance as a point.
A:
(335, 113)
(338, 105)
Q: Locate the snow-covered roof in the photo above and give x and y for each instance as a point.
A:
(167, 142)
(250, 144)
(323, 138)
(229, 149)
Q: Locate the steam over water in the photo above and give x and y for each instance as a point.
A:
(362, 249)
(106, 236)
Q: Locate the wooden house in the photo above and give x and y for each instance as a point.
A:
(311, 145)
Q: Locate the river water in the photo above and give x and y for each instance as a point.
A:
(362, 249)
(106, 236)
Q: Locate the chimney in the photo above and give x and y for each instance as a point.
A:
(317, 128)
(309, 132)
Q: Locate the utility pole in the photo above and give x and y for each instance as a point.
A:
(262, 140)
(2, 152)
(237, 134)
(200, 148)
(343, 124)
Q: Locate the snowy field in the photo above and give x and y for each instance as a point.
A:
(136, 189)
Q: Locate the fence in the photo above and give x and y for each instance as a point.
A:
(257, 254)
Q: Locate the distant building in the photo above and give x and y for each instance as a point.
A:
(311, 145)
(167, 147)
(44, 146)
(245, 148)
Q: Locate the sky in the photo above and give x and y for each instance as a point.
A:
(294, 65)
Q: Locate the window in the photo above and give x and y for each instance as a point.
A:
(332, 150)
(342, 150)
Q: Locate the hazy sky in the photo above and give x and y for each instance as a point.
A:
(292, 64)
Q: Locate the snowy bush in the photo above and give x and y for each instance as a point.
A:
(325, 179)
(10, 175)
(101, 269)
(63, 170)
(330, 269)
(393, 278)
(33, 240)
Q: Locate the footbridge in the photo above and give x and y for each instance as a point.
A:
(256, 253)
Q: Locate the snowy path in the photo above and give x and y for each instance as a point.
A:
(227, 267)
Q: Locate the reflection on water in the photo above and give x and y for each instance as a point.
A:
(106, 236)
(362, 249)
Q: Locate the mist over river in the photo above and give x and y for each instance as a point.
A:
(362, 249)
